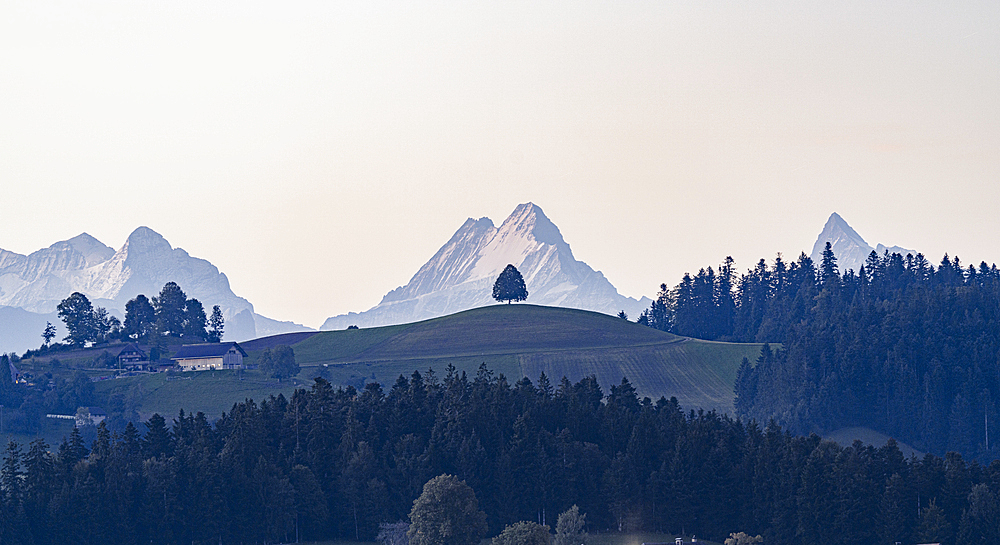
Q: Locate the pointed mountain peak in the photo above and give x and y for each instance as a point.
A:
(849, 247)
(480, 224)
(529, 218)
(144, 239)
(836, 225)
(84, 239)
(93, 250)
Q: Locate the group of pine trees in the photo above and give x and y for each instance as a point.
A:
(901, 346)
(336, 463)
(170, 313)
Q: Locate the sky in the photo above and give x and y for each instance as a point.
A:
(319, 153)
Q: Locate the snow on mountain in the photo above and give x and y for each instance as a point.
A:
(851, 250)
(36, 283)
(461, 274)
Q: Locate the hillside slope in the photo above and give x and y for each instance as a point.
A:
(526, 340)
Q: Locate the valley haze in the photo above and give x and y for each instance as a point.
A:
(340, 144)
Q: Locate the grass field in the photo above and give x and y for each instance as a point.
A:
(526, 340)
(211, 392)
(516, 340)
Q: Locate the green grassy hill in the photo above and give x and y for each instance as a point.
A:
(516, 340)
(526, 340)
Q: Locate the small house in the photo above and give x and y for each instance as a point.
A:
(207, 356)
(132, 357)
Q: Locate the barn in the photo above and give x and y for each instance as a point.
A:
(206, 356)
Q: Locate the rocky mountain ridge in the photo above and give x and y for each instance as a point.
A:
(849, 247)
(461, 273)
(37, 282)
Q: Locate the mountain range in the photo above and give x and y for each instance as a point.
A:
(849, 247)
(31, 286)
(460, 275)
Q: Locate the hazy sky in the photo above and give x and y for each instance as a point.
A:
(318, 153)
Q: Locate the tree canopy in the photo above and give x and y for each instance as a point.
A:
(900, 346)
(77, 313)
(524, 533)
(336, 463)
(446, 513)
(509, 286)
(140, 317)
(169, 305)
(278, 362)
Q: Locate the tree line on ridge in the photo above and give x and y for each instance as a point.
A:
(901, 346)
(335, 463)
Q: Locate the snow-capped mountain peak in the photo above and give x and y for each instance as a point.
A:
(849, 247)
(460, 275)
(38, 282)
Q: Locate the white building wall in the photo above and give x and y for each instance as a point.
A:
(200, 364)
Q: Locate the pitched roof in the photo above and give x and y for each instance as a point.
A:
(131, 348)
(206, 350)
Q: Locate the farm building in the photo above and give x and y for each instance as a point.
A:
(132, 357)
(203, 357)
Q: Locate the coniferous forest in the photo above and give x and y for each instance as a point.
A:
(900, 346)
(334, 463)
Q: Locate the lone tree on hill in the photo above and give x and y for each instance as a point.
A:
(510, 286)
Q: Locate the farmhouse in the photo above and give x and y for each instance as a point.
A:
(202, 357)
(132, 357)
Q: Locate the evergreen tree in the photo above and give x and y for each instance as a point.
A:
(140, 318)
(49, 333)
(828, 273)
(169, 306)
(194, 320)
(216, 325)
(980, 524)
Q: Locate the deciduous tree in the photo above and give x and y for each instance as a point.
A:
(77, 313)
(524, 533)
(510, 286)
(570, 527)
(278, 362)
(446, 513)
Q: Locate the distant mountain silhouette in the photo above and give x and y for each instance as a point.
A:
(460, 275)
(851, 250)
(36, 283)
